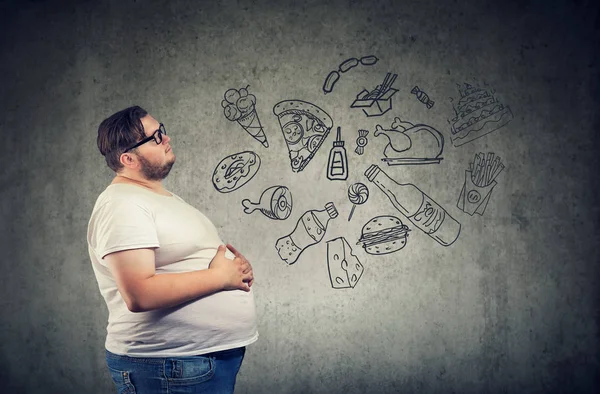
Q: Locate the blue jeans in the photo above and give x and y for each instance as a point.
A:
(207, 373)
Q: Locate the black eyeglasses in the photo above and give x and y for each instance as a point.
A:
(156, 136)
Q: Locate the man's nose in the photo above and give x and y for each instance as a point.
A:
(165, 138)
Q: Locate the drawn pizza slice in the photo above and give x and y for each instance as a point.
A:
(305, 126)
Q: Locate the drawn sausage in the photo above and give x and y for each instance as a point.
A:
(330, 81)
(368, 60)
(348, 64)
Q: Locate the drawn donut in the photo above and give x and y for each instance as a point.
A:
(235, 170)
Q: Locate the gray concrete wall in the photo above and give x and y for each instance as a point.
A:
(510, 307)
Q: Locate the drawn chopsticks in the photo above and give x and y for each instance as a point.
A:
(386, 85)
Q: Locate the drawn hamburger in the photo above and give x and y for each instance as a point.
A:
(383, 235)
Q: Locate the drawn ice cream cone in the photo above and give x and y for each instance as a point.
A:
(240, 106)
(251, 123)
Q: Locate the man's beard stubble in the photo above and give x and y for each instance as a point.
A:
(155, 172)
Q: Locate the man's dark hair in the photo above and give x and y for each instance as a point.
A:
(118, 132)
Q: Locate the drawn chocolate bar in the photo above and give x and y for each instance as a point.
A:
(378, 101)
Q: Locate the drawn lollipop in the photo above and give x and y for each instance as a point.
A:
(358, 193)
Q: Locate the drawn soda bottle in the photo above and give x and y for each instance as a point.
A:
(417, 206)
(309, 230)
(337, 167)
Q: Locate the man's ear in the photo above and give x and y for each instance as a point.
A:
(128, 160)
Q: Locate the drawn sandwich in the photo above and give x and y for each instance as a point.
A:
(305, 126)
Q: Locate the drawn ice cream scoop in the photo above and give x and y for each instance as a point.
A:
(275, 203)
(411, 144)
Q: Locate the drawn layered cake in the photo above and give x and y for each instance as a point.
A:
(478, 113)
(305, 126)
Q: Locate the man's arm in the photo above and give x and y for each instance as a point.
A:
(143, 290)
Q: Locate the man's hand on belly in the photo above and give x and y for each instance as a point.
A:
(238, 254)
(236, 274)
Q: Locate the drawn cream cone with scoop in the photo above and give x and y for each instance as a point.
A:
(241, 107)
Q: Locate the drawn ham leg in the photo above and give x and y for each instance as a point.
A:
(275, 203)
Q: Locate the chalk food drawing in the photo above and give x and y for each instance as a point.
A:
(410, 144)
(420, 209)
(235, 170)
(477, 113)
(240, 106)
(337, 165)
(310, 230)
(479, 183)
(361, 141)
(344, 67)
(379, 100)
(422, 97)
(383, 235)
(275, 203)
(358, 193)
(344, 268)
(305, 127)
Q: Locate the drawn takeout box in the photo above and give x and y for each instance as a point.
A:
(374, 106)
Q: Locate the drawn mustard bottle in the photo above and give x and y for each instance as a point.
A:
(417, 206)
(337, 167)
(310, 229)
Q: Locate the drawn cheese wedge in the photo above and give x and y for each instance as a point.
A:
(345, 269)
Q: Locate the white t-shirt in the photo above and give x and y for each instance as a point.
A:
(131, 217)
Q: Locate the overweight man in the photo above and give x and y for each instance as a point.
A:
(180, 306)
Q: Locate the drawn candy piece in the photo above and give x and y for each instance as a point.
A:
(361, 141)
(358, 193)
(344, 267)
(422, 97)
(275, 203)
